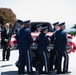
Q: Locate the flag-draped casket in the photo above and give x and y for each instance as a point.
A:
(70, 45)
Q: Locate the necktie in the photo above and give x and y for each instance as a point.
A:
(7, 31)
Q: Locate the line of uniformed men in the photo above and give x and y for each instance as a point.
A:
(24, 41)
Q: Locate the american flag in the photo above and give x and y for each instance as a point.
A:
(13, 42)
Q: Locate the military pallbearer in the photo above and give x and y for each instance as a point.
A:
(43, 42)
(60, 45)
(25, 39)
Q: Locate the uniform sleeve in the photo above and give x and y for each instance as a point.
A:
(17, 36)
(47, 40)
(37, 39)
(65, 38)
(52, 38)
(29, 36)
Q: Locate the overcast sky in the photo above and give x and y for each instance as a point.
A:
(44, 10)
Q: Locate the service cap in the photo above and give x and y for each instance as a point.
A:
(38, 25)
(63, 23)
(55, 23)
(27, 21)
(44, 28)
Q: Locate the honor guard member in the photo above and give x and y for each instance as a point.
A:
(36, 61)
(17, 38)
(25, 39)
(43, 42)
(38, 28)
(53, 55)
(56, 27)
(60, 46)
(17, 30)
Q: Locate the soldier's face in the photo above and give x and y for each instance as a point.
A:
(22, 25)
(39, 29)
(63, 27)
(56, 27)
(46, 31)
(29, 24)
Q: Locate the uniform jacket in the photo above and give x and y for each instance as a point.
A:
(17, 37)
(43, 42)
(25, 39)
(60, 38)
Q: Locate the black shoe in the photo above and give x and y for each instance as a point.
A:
(21, 72)
(3, 60)
(7, 59)
(41, 72)
(46, 72)
(31, 72)
(37, 69)
(66, 72)
(17, 65)
(59, 72)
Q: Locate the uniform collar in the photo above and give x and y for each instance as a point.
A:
(42, 33)
(61, 30)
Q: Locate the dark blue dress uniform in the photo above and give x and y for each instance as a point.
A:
(17, 38)
(60, 44)
(25, 39)
(36, 61)
(43, 42)
(53, 54)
